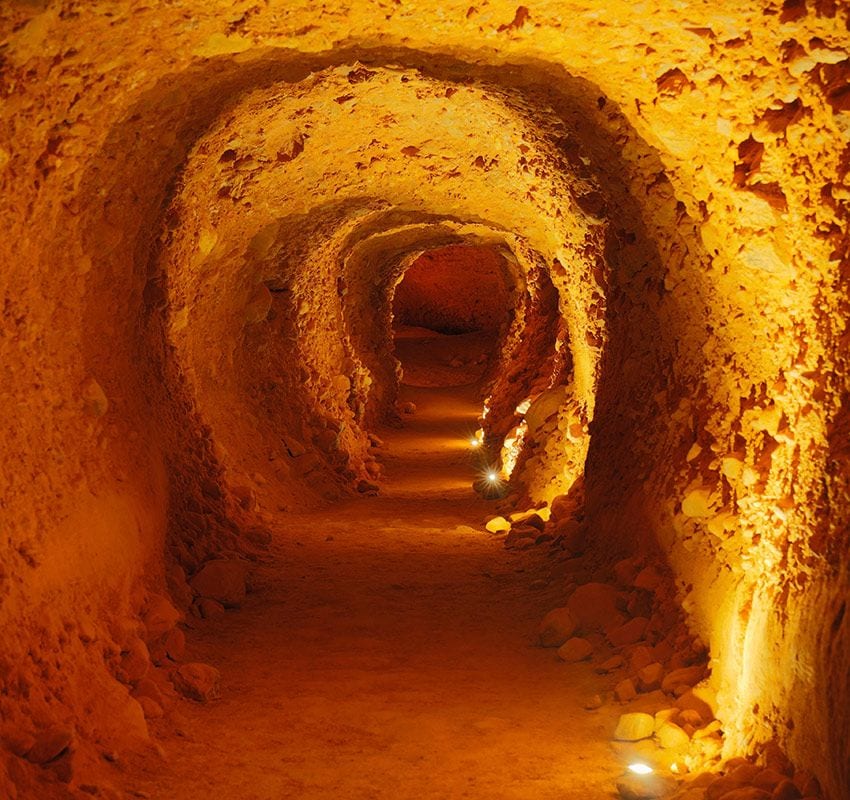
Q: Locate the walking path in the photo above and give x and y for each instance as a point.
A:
(388, 651)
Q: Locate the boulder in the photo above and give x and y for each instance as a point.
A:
(613, 663)
(649, 677)
(626, 570)
(209, 609)
(179, 589)
(629, 632)
(671, 737)
(160, 616)
(786, 790)
(634, 726)
(686, 676)
(147, 688)
(175, 644)
(575, 650)
(222, 579)
(648, 579)
(50, 744)
(625, 690)
(641, 656)
(135, 661)
(497, 525)
(644, 787)
(557, 626)
(690, 717)
(699, 700)
(735, 780)
(594, 606)
(747, 793)
(665, 715)
(150, 708)
(197, 681)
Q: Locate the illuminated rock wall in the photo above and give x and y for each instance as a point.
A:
(207, 204)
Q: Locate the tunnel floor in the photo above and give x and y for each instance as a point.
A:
(388, 652)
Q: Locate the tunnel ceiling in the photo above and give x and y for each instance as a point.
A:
(207, 205)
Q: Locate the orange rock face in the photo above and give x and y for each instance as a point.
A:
(208, 208)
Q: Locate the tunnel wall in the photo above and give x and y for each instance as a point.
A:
(707, 314)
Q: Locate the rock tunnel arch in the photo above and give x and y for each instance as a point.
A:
(587, 139)
(654, 254)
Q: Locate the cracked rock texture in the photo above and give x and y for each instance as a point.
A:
(207, 207)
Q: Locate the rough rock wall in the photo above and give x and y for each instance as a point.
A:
(184, 185)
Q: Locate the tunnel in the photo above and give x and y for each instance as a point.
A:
(425, 400)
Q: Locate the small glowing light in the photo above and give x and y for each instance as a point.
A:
(473, 442)
(640, 769)
(493, 476)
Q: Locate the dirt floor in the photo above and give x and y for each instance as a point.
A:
(388, 651)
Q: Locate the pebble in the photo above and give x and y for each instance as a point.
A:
(593, 702)
(634, 726)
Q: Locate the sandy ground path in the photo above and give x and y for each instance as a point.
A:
(388, 652)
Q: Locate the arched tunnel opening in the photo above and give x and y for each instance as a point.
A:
(447, 411)
(450, 312)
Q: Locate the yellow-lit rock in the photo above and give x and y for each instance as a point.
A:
(208, 206)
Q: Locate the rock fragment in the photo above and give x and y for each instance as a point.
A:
(557, 626)
(222, 579)
(634, 726)
(197, 681)
(594, 606)
(50, 744)
(575, 649)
